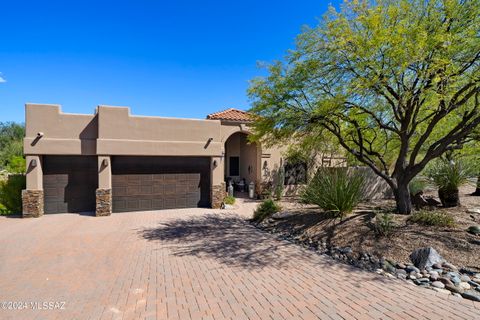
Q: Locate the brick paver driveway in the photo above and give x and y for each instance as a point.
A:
(191, 264)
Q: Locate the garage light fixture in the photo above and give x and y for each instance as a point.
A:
(33, 163)
(105, 162)
(39, 134)
(215, 163)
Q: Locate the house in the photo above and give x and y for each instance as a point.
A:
(112, 161)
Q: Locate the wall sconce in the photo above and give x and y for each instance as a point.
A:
(39, 134)
(215, 163)
(265, 164)
(33, 163)
(105, 162)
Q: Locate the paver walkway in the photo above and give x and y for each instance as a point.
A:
(191, 264)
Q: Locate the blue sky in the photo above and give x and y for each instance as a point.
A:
(162, 58)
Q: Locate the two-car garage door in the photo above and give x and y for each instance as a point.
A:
(138, 183)
(154, 183)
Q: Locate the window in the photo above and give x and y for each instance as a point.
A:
(234, 166)
(295, 173)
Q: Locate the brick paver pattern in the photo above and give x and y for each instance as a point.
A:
(192, 264)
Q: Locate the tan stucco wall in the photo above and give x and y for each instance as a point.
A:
(104, 172)
(217, 171)
(114, 131)
(34, 174)
(64, 133)
(123, 134)
(249, 155)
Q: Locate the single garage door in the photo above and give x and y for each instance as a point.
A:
(155, 183)
(69, 183)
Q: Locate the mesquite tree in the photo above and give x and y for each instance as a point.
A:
(396, 82)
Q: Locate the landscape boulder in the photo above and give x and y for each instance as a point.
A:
(425, 257)
(474, 230)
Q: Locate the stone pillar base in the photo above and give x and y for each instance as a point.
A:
(218, 194)
(32, 203)
(104, 202)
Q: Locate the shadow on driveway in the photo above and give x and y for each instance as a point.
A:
(226, 238)
(233, 241)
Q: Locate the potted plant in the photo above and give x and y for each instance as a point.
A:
(448, 176)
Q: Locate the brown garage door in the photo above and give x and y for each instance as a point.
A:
(69, 183)
(155, 183)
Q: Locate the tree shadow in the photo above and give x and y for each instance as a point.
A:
(226, 238)
(232, 241)
(328, 222)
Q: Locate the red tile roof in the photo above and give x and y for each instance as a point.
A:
(231, 115)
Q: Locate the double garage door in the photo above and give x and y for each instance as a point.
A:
(138, 183)
(155, 183)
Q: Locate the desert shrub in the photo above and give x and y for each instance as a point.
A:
(11, 193)
(384, 224)
(432, 218)
(265, 209)
(229, 200)
(279, 184)
(335, 189)
(417, 185)
(279, 192)
(448, 176)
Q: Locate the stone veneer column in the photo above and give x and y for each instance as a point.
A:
(104, 191)
(32, 203)
(218, 194)
(32, 196)
(104, 202)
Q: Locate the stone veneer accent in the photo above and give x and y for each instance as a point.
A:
(104, 202)
(32, 203)
(218, 194)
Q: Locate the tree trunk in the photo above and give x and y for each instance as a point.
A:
(402, 197)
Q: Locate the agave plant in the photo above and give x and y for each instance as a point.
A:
(336, 190)
(448, 176)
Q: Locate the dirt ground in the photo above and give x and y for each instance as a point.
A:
(454, 244)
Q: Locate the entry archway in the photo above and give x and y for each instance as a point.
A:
(242, 161)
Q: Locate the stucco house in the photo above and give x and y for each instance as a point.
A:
(112, 161)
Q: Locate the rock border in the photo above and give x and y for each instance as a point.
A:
(442, 277)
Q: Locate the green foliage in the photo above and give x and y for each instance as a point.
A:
(265, 209)
(11, 193)
(229, 200)
(16, 164)
(432, 218)
(335, 189)
(384, 224)
(11, 146)
(394, 82)
(3, 210)
(417, 185)
(450, 175)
